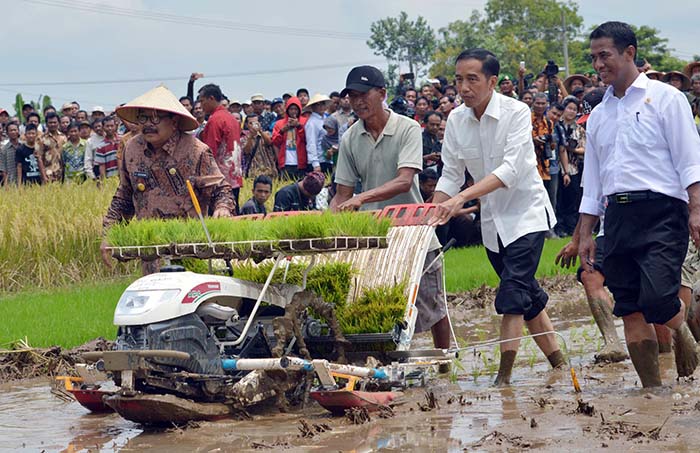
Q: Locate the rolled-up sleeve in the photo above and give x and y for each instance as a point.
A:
(592, 200)
(518, 145)
(683, 139)
(452, 177)
(346, 172)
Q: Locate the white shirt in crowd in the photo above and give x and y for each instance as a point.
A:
(645, 141)
(93, 142)
(499, 144)
(312, 131)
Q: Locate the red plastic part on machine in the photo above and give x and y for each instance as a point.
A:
(409, 214)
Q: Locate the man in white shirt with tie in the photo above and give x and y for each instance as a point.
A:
(491, 136)
(643, 155)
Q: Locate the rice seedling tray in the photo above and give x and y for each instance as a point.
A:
(256, 249)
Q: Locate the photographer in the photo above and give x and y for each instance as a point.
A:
(431, 142)
(542, 130)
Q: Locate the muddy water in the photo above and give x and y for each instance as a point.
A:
(537, 412)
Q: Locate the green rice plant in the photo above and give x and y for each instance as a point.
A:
(376, 310)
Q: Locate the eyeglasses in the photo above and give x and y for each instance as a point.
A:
(154, 118)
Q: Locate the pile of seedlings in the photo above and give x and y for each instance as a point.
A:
(243, 238)
(376, 310)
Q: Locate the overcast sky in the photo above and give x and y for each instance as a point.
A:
(68, 41)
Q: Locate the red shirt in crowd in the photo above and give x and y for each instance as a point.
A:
(222, 134)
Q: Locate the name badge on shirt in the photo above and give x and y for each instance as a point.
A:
(141, 174)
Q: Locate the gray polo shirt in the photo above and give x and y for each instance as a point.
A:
(375, 163)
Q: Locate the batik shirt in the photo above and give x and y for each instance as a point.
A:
(152, 181)
(73, 160)
(8, 164)
(49, 148)
(541, 126)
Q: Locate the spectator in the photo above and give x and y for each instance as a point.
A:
(333, 104)
(411, 96)
(63, 124)
(92, 170)
(84, 129)
(74, 155)
(27, 164)
(257, 149)
(277, 108)
(106, 151)
(677, 80)
(4, 117)
(423, 106)
(451, 90)
(441, 131)
(506, 87)
(342, 115)
(527, 98)
(300, 195)
(81, 116)
(8, 156)
(68, 110)
(303, 96)
(575, 81)
(427, 180)
(262, 189)
(265, 118)
(235, 106)
(313, 131)
(198, 113)
(222, 134)
(33, 118)
(542, 136)
(98, 113)
(691, 69)
(572, 167)
(554, 115)
(290, 141)
(329, 144)
(694, 93)
(186, 102)
(247, 107)
(447, 104)
(48, 150)
(431, 142)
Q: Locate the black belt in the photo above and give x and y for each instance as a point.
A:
(631, 197)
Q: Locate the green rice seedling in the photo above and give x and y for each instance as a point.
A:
(376, 311)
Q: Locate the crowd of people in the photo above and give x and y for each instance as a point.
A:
(287, 137)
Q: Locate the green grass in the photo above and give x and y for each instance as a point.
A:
(69, 317)
(469, 268)
(64, 317)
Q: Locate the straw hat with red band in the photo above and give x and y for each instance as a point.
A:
(161, 99)
(688, 70)
(572, 77)
(684, 79)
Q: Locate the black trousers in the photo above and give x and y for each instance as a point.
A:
(645, 245)
(519, 293)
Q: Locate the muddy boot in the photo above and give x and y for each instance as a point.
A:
(684, 349)
(694, 312)
(613, 351)
(556, 359)
(505, 369)
(645, 358)
(664, 336)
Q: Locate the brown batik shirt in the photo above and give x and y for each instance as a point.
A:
(49, 148)
(152, 182)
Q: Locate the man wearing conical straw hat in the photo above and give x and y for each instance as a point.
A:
(157, 163)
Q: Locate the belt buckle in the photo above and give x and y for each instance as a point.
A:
(622, 198)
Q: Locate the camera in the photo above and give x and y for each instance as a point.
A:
(551, 69)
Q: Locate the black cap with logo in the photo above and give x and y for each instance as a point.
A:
(363, 79)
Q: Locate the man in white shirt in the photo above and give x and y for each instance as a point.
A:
(313, 130)
(490, 135)
(642, 155)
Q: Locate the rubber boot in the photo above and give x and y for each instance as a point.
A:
(556, 359)
(645, 358)
(684, 349)
(613, 351)
(506, 368)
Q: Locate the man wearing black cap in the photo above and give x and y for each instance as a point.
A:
(384, 150)
(641, 155)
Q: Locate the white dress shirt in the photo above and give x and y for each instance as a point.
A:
(644, 141)
(312, 130)
(499, 144)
